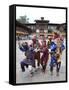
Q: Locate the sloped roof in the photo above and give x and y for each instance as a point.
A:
(23, 26)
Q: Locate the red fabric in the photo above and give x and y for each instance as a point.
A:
(45, 55)
(43, 43)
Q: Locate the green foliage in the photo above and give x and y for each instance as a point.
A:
(50, 30)
(23, 19)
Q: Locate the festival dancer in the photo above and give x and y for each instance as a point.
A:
(45, 56)
(36, 45)
(29, 60)
(57, 49)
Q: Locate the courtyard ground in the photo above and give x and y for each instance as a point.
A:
(24, 77)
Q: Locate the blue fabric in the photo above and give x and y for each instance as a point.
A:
(28, 62)
(62, 47)
(53, 46)
(23, 48)
(53, 61)
(30, 57)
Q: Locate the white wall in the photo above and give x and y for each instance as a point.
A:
(4, 44)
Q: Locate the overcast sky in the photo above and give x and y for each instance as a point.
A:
(53, 15)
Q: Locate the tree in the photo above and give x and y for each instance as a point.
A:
(50, 30)
(23, 19)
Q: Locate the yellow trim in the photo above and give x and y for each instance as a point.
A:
(23, 33)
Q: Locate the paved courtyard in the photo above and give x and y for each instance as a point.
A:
(24, 77)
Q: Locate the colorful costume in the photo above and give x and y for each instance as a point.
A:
(53, 60)
(53, 46)
(29, 59)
